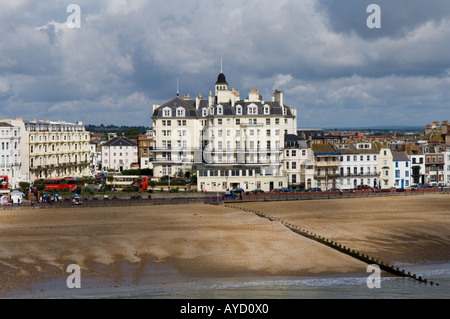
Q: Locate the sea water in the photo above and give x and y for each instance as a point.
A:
(319, 287)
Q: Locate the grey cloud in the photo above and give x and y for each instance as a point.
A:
(320, 52)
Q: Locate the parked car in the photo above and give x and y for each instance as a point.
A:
(276, 190)
(335, 189)
(315, 189)
(364, 187)
(238, 191)
(286, 190)
(255, 191)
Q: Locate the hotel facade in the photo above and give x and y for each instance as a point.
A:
(227, 141)
(52, 149)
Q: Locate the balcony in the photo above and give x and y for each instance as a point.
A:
(367, 174)
(252, 125)
(326, 163)
(326, 176)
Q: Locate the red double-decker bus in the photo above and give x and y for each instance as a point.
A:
(4, 182)
(59, 184)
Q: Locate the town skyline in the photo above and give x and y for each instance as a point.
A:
(125, 57)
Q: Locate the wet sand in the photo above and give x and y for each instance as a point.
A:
(129, 247)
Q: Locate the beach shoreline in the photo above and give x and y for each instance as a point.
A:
(131, 248)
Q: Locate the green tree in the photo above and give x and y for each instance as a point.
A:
(24, 187)
(132, 133)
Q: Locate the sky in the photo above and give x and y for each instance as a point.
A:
(126, 55)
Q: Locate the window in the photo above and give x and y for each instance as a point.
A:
(268, 132)
(266, 109)
(238, 121)
(219, 110)
(267, 121)
(238, 110)
(180, 112)
(219, 121)
(167, 112)
(397, 173)
(277, 121)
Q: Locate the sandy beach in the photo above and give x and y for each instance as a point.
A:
(167, 244)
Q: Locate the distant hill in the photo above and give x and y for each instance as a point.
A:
(380, 127)
(99, 129)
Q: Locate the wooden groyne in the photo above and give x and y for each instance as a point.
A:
(341, 248)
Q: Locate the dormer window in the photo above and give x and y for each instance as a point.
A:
(252, 109)
(219, 110)
(239, 110)
(266, 109)
(167, 112)
(205, 112)
(180, 112)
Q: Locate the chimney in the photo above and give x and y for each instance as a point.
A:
(309, 141)
(198, 100)
(444, 127)
(210, 99)
(186, 96)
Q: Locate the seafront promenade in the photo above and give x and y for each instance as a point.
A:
(166, 198)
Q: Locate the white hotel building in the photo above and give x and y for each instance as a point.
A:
(52, 149)
(228, 141)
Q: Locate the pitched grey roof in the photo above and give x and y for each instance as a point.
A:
(227, 110)
(399, 157)
(295, 141)
(119, 141)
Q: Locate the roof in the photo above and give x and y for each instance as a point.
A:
(295, 141)
(227, 109)
(324, 149)
(221, 79)
(5, 124)
(120, 141)
(400, 157)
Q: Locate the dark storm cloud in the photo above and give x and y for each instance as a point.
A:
(127, 56)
